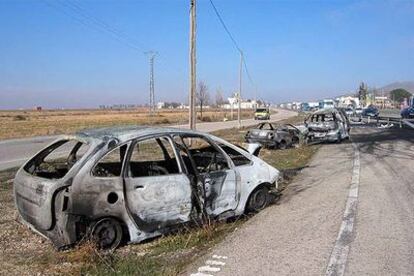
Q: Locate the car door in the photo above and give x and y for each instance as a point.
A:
(215, 172)
(158, 193)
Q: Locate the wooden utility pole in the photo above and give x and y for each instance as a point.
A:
(193, 80)
(240, 89)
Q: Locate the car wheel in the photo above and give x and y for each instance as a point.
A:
(339, 138)
(295, 140)
(107, 233)
(258, 200)
(282, 145)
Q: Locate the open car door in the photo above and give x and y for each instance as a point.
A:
(158, 193)
(216, 178)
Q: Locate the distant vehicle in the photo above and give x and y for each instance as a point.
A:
(305, 107)
(262, 113)
(370, 111)
(358, 111)
(136, 183)
(326, 104)
(407, 113)
(327, 125)
(271, 136)
(349, 111)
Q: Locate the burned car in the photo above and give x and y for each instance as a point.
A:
(328, 125)
(135, 183)
(272, 136)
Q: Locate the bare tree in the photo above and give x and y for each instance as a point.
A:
(219, 97)
(203, 97)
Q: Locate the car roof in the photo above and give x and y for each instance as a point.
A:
(125, 133)
(325, 111)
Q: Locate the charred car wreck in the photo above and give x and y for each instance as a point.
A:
(328, 125)
(134, 183)
(272, 136)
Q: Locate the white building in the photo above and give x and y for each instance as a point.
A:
(245, 104)
(346, 101)
(160, 105)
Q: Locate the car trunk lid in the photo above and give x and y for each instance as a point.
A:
(33, 196)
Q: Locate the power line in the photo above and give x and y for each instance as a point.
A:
(105, 25)
(225, 27)
(236, 45)
(80, 15)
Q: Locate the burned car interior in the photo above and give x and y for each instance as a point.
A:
(152, 157)
(111, 164)
(55, 161)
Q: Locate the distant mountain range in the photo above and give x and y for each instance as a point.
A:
(407, 85)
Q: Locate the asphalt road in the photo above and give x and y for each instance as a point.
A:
(352, 208)
(15, 152)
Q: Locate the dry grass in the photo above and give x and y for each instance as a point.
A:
(17, 124)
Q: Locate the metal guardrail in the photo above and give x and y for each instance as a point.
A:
(387, 119)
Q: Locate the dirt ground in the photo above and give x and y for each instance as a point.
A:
(27, 123)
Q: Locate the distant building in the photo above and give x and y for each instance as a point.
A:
(160, 105)
(348, 101)
(245, 104)
(382, 102)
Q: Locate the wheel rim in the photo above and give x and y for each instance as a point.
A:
(259, 199)
(107, 234)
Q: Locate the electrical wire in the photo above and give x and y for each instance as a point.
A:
(236, 45)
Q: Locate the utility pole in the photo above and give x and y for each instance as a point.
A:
(240, 89)
(151, 55)
(193, 85)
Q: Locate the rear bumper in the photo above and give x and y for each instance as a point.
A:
(262, 117)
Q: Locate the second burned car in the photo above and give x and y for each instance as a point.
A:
(327, 125)
(272, 136)
(134, 183)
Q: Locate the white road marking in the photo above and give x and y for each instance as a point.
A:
(339, 256)
(210, 262)
(208, 268)
(211, 266)
(219, 257)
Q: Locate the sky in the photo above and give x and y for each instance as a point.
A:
(60, 54)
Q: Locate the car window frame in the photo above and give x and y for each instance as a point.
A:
(128, 144)
(134, 142)
(241, 150)
(85, 156)
(213, 143)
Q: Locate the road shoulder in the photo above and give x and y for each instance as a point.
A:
(297, 235)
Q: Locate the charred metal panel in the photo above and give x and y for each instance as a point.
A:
(156, 202)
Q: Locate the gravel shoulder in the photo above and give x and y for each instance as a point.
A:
(296, 236)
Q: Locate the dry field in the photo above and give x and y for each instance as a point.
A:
(17, 124)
